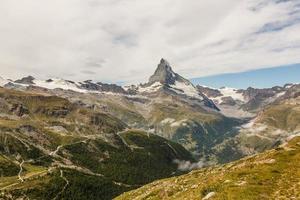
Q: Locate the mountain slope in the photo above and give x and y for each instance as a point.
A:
(247, 103)
(167, 105)
(274, 174)
(272, 126)
(51, 148)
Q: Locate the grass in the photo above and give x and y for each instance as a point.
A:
(284, 116)
(274, 174)
(7, 167)
(152, 159)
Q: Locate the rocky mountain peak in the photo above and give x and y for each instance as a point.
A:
(26, 80)
(165, 74)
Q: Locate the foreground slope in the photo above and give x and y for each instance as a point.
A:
(51, 148)
(274, 174)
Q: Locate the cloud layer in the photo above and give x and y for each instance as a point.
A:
(123, 40)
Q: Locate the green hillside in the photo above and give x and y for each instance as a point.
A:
(274, 174)
(51, 148)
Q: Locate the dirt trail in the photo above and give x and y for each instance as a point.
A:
(65, 186)
(20, 172)
(124, 141)
(54, 153)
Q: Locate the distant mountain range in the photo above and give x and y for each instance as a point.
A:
(61, 139)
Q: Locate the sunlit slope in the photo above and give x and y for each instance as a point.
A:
(274, 174)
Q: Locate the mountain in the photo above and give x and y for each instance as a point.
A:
(271, 175)
(167, 81)
(165, 75)
(26, 80)
(62, 139)
(244, 103)
(210, 123)
(271, 127)
(51, 148)
(167, 105)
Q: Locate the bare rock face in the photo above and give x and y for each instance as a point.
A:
(26, 80)
(111, 88)
(102, 87)
(19, 110)
(228, 101)
(165, 75)
(209, 91)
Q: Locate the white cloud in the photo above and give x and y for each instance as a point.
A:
(123, 40)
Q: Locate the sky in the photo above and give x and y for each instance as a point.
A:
(123, 40)
(259, 78)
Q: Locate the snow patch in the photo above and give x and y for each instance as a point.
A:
(232, 92)
(152, 88)
(187, 89)
(59, 83)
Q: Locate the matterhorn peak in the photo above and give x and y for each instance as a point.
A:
(165, 75)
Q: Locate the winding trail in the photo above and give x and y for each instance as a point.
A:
(20, 172)
(124, 141)
(65, 186)
(54, 153)
(70, 165)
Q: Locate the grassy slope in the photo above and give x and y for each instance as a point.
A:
(274, 174)
(284, 115)
(197, 130)
(7, 167)
(123, 169)
(272, 126)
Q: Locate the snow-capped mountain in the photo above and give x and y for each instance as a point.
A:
(246, 103)
(230, 101)
(57, 83)
(166, 80)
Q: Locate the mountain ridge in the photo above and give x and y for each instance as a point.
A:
(165, 124)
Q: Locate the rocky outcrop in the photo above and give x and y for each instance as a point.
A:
(26, 80)
(209, 91)
(102, 87)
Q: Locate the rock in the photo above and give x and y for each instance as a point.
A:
(228, 101)
(102, 87)
(19, 110)
(165, 75)
(26, 80)
(209, 91)
(209, 195)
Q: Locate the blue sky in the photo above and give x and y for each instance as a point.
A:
(261, 78)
